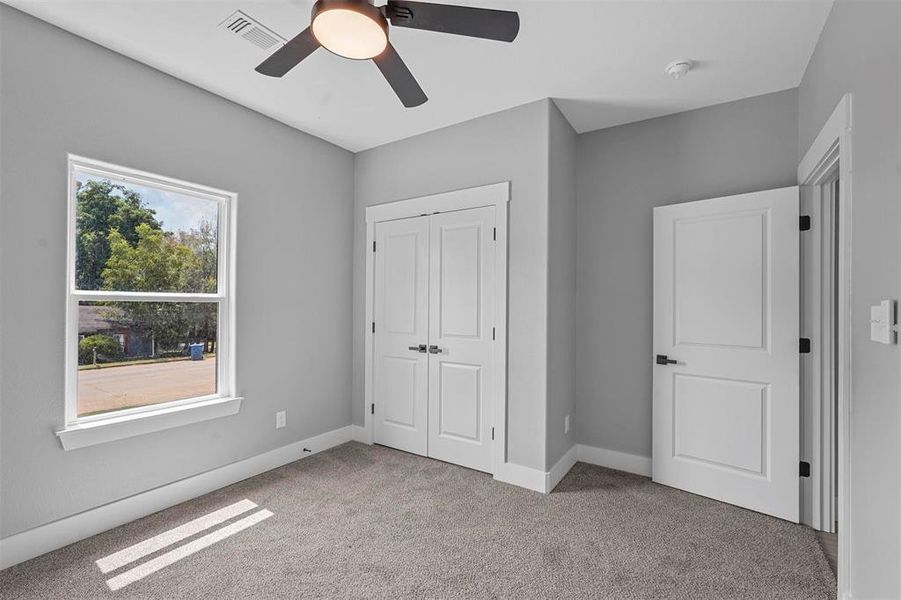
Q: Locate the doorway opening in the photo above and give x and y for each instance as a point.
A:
(826, 191)
(819, 368)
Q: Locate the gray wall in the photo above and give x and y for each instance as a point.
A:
(561, 357)
(63, 94)
(74, 96)
(506, 146)
(858, 52)
(623, 172)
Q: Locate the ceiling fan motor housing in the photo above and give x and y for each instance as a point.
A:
(364, 7)
(344, 14)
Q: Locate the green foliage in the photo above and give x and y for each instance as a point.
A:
(122, 247)
(103, 207)
(201, 275)
(153, 263)
(159, 262)
(107, 348)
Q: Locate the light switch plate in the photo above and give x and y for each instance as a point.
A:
(882, 322)
(281, 418)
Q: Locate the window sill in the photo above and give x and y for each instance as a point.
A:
(118, 428)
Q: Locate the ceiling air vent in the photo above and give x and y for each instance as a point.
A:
(252, 31)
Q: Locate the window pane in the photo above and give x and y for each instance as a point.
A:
(134, 354)
(135, 238)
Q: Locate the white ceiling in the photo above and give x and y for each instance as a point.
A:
(601, 61)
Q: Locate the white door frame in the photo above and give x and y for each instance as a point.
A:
(831, 148)
(819, 396)
(496, 195)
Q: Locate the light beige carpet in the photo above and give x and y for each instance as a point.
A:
(370, 522)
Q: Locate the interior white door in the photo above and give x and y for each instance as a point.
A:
(460, 336)
(401, 312)
(726, 311)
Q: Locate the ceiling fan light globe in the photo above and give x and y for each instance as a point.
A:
(349, 33)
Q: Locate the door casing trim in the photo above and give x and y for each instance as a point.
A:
(832, 147)
(495, 195)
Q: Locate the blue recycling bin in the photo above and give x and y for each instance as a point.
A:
(196, 351)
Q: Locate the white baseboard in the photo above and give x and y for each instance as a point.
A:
(361, 434)
(632, 463)
(535, 479)
(559, 470)
(40, 540)
(518, 475)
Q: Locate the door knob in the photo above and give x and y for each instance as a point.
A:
(435, 349)
(419, 348)
(663, 359)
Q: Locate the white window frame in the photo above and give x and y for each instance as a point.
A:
(94, 429)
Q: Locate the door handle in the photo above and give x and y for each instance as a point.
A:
(419, 348)
(435, 349)
(663, 359)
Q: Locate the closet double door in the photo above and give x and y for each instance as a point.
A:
(433, 374)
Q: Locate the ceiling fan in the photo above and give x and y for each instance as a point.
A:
(359, 30)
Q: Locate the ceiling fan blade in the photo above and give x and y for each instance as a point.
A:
(501, 25)
(399, 77)
(289, 56)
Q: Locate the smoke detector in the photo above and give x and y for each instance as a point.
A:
(678, 69)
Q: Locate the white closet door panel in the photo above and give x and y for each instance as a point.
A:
(402, 322)
(461, 293)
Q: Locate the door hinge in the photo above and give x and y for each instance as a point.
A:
(804, 469)
(373, 327)
(492, 433)
(804, 222)
(494, 233)
(372, 408)
(373, 245)
(804, 345)
(493, 334)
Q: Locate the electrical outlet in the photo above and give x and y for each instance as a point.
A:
(281, 418)
(566, 424)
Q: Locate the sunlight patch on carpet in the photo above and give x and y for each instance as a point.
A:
(177, 534)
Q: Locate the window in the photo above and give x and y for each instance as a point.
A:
(150, 302)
